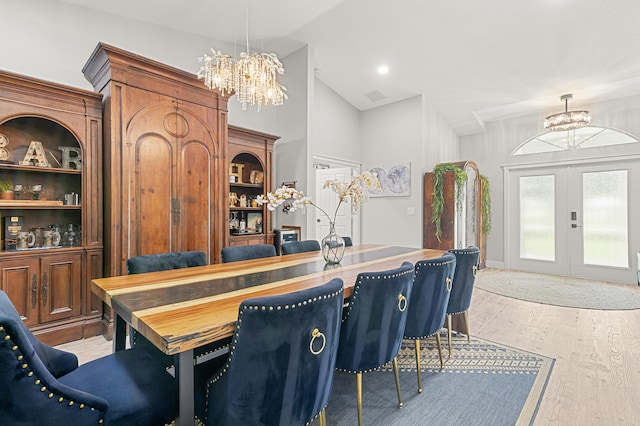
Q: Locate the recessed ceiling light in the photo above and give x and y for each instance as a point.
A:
(383, 69)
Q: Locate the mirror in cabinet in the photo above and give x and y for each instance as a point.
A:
(42, 163)
(246, 183)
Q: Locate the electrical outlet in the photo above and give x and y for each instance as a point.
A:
(411, 211)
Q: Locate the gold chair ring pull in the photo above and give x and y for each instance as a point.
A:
(316, 334)
(475, 270)
(449, 284)
(402, 302)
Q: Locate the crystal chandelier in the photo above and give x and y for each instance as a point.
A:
(567, 120)
(252, 77)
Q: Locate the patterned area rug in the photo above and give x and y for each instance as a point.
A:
(483, 383)
(559, 291)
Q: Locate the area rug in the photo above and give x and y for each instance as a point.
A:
(559, 291)
(483, 383)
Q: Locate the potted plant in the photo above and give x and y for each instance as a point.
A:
(6, 190)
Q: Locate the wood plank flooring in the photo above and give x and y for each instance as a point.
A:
(596, 377)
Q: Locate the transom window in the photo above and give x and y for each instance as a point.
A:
(585, 137)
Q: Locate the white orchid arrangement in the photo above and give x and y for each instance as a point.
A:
(295, 199)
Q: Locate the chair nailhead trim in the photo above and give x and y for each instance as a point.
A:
(356, 288)
(232, 347)
(38, 382)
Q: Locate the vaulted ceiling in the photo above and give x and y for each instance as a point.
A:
(473, 61)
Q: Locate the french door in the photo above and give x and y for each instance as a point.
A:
(574, 220)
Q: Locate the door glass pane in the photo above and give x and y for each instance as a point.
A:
(537, 217)
(605, 218)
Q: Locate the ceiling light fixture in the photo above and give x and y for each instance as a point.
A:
(567, 120)
(253, 77)
(383, 69)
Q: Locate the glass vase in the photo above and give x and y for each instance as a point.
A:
(332, 246)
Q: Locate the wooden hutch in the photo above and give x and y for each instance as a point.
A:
(51, 137)
(250, 155)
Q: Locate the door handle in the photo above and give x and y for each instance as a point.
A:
(575, 225)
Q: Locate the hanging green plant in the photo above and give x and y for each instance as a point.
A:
(485, 204)
(437, 207)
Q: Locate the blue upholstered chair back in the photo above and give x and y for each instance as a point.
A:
(373, 322)
(41, 385)
(166, 261)
(281, 363)
(292, 247)
(155, 263)
(463, 279)
(347, 241)
(429, 296)
(253, 251)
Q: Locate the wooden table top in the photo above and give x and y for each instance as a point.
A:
(182, 309)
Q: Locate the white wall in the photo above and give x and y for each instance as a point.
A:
(335, 125)
(390, 135)
(293, 160)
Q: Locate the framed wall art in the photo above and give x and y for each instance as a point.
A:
(395, 180)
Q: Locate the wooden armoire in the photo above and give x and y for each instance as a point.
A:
(461, 222)
(165, 168)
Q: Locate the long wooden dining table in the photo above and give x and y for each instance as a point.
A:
(181, 310)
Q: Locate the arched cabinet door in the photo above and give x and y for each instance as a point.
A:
(173, 180)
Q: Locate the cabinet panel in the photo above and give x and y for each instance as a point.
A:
(195, 193)
(60, 283)
(20, 280)
(151, 199)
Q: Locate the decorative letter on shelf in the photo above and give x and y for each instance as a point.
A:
(35, 156)
(71, 157)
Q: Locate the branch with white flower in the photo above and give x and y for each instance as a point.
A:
(294, 199)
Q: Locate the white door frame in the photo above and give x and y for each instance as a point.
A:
(634, 223)
(323, 161)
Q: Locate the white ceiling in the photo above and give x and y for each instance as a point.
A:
(474, 61)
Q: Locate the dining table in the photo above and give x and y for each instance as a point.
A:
(181, 310)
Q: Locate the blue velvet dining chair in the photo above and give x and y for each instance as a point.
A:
(292, 247)
(373, 324)
(252, 251)
(41, 385)
(347, 241)
(432, 283)
(163, 262)
(464, 279)
(280, 366)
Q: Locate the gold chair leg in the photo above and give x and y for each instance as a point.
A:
(322, 418)
(395, 372)
(466, 323)
(418, 365)
(359, 396)
(439, 350)
(449, 331)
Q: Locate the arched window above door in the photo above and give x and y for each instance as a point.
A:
(585, 137)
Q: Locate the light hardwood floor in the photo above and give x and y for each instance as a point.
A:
(596, 377)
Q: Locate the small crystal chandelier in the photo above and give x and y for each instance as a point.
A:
(252, 77)
(567, 120)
